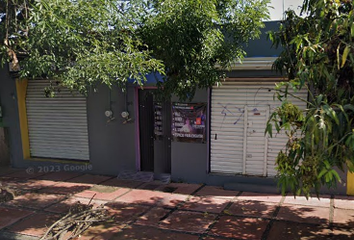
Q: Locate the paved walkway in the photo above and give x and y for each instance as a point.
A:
(173, 211)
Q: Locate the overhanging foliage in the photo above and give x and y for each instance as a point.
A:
(78, 43)
(191, 36)
(318, 55)
(81, 43)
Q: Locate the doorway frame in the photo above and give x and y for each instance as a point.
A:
(137, 125)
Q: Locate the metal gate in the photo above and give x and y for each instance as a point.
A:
(239, 113)
(256, 143)
(57, 126)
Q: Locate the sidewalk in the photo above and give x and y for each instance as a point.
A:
(173, 211)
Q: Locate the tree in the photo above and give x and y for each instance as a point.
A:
(318, 54)
(84, 42)
(191, 37)
(79, 43)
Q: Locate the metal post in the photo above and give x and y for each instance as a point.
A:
(245, 127)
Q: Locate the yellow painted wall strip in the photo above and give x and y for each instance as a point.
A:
(21, 88)
(350, 183)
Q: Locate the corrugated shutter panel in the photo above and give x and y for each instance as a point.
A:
(256, 141)
(227, 135)
(236, 146)
(279, 140)
(57, 126)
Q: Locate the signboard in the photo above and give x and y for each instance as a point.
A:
(188, 122)
(158, 131)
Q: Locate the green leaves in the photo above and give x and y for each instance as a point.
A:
(269, 129)
(318, 53)
(345, 55)
(86, 42)
(331, 113)
(328, 175)
(191, 37)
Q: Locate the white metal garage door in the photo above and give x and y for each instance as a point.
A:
(255, 143)
(57, 126)
(239, 113)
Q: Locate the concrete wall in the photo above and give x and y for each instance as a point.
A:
(189, 160)
(262, 47)
(10, 116)
(4, 148)
(112, 143)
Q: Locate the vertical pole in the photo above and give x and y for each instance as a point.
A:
(266, 145)
(208, 129)
(245, 127)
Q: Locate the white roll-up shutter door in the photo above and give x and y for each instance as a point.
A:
(239, 113)
(279, 140)
(256, 142)
(57, 126)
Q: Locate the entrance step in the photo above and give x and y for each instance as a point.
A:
(164, 178)
(136, 176)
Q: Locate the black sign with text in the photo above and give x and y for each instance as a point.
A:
(188, 122)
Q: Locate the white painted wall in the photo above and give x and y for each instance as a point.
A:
(278, 7)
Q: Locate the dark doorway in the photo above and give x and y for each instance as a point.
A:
(162, 143)
(155, 133)
(146, 123)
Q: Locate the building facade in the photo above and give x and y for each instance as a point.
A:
(217, 138)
